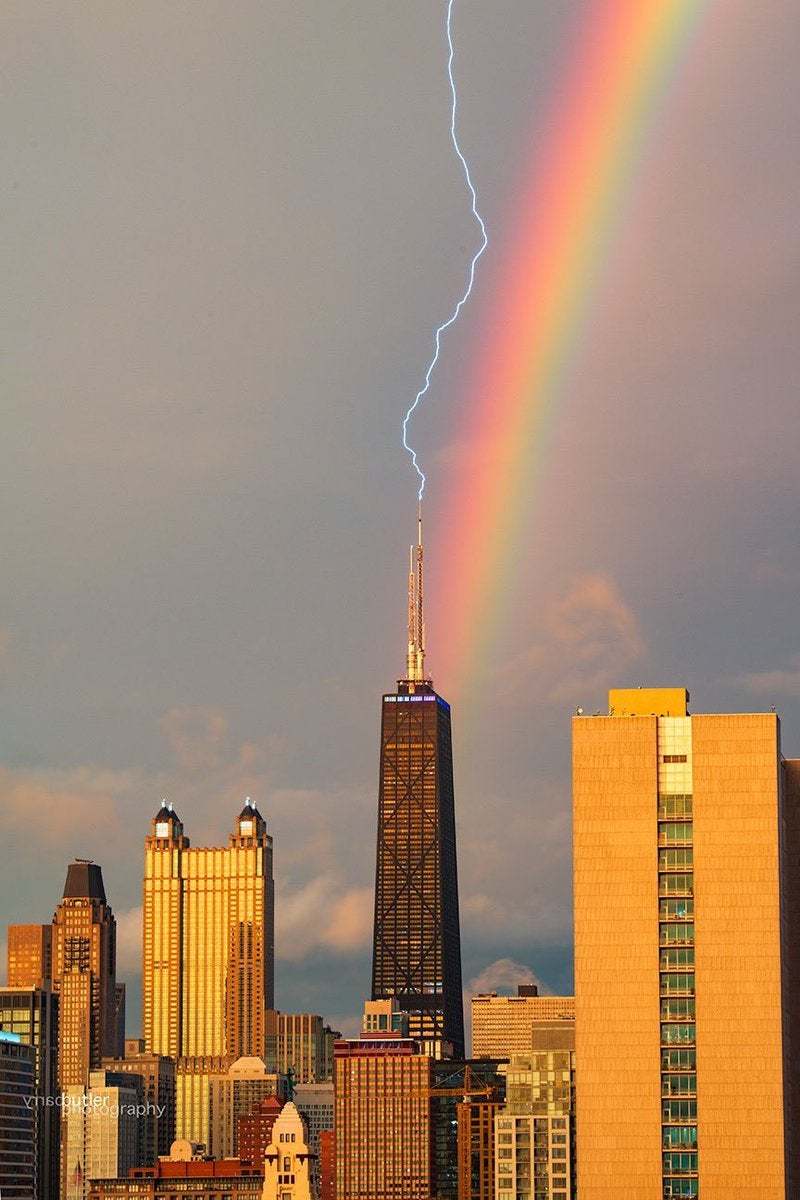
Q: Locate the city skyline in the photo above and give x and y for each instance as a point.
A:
(202, 600)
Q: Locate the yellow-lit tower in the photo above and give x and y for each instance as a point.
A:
(208, 954)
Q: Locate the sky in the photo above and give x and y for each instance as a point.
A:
(229, 232)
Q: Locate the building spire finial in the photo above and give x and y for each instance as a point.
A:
(415, 661)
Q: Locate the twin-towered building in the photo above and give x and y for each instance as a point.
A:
(208, 955)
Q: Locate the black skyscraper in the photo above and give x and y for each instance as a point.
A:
(417, 946)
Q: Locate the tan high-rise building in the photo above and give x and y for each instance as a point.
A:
(208, 961)
(301, 1046)
(84, 938)
(686, 903)
(501, 1025)
(30, 956)
(383, 1120)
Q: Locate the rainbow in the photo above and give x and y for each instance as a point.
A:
(623, 58)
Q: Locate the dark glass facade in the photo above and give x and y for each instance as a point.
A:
(417, 946)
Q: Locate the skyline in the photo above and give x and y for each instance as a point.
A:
(246, 602)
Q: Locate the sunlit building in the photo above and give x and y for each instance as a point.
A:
(535, 1130)
(383, 1134)
(300, 1046)
(416, 941)
(501, 1025)
(100, 1131)
(208, 965)
(686, 845)
(84, 940)
(29, 955)
(233, 1094)
(157, 1074)
(288, 1161)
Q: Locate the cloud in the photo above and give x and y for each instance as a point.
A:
(197, 736)
(586, 636)
(323, 913)
(503, 975)
(783, 681)
(66, 804)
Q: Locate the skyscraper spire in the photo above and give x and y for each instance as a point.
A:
(415, 661)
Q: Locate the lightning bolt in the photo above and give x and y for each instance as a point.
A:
(451, 320)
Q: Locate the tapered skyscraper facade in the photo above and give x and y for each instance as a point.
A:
(416, 946)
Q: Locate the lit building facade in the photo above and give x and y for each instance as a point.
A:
(186, 1176)
(157, 1075)
(29, 956)
(416, 941)
(316, 1104)
(475, 1147)
(208, 969)
(685, 926)
(501, 1025)
(383, 1131)
(287, 1163)
(17, 1118)
(100, 1131)
(255, 1129)
(233, 1094)
(84, 940)
(300, 1046)
(31, 1013)
(535, 1149)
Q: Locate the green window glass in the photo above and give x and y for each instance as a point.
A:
(678, 1035)
(675, 885)
(674, 833)
(678, 1112)
(678, 1060)
(674, 806)
(679, 1085)
(675, 1008)
(676, 910)
(679, 934)
(675, 858)
(680, 1162)
(680, 1188)
(679, 1136)
(679, 984)
(673, 958)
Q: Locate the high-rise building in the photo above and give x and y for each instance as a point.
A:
(383, 1133)
(316, 1104)
(300, 1046)
(84, 973)
(452, 1084)
(157, 1073)
(30, 956)
(327, 1165)
(535, 1129)
(233, 1094)
(119, 1020)
(208, 953)
(17, 1118)
(330, 1037)
(501, 1025)
(287, 1163)
(416, 943)
(475, 1148)
(255, 1129)
(100, 1136)
(686, 845)
(31, 1013)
